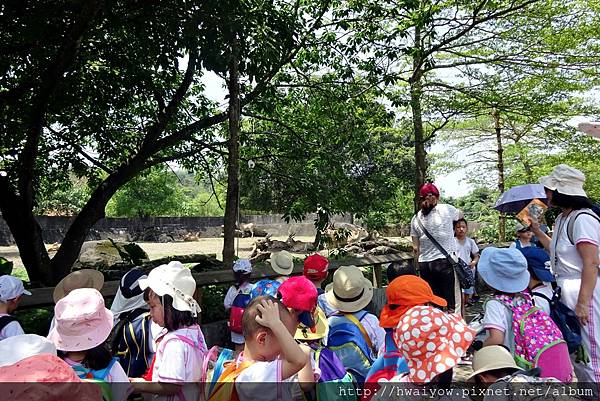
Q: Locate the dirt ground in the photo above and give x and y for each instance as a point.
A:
(158, 250)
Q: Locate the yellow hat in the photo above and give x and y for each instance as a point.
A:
(304, 333)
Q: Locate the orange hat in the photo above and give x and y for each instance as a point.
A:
(403, 293)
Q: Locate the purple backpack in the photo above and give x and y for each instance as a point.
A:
(535, 340)
(332, 371)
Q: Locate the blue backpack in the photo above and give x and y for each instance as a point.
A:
(390, 364)
(352, 345)
(132, 342)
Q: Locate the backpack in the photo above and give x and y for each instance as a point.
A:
(132, 340)
(351, 343)
(535, 340)
(238, 306)
(565, 318)
(385, 367)
(528, 386)
(6, 320)
(335, 383)
(98, 377)
(223, 385)
(594, 212)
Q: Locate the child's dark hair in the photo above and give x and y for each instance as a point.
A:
(174, 319)
(96, 358)
(461, 220)
(241, 278)
(401, 268)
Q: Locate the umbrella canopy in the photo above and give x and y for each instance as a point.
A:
(516, 198)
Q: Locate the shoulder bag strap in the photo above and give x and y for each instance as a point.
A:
(433, 240)
(358, 324)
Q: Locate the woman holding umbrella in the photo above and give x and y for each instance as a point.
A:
(575, 258)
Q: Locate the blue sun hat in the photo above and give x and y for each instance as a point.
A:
(265, 287)
(538, 260)
(504, 269)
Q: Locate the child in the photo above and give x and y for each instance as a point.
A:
(282, 263)
(177, 365)
(540, 287)
(524, 236)
(432, 342)
(271, 355)
(11, 289)
(536, 341)
(134, 331)
(299, 295)
(468, 251)
(316, 269)
(350, 293)
(238, 297)
(82, 326)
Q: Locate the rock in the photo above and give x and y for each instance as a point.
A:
(101, 255)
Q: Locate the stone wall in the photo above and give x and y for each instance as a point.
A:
(137, 229)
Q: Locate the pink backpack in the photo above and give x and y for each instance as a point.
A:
(535, 340)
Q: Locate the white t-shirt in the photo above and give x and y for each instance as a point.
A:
(514, 244)
(236, 338)
(11, 329)
(119, 382)
(258, 382)
(540, 302)
(465, 249)
(495, 316)
(566, 260)
(180, 363)
(439, 223)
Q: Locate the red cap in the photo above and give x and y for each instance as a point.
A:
(427, 189)
(315, 267)
(298, 293)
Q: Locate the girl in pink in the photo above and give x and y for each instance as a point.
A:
(177, 365)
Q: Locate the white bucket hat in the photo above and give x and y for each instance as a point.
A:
(350, 291)
(566, 180)
(16, 348)
(11, 287)
(174, 280)
(282, 262)
(492, 357)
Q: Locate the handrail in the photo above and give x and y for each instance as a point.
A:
(43, 296)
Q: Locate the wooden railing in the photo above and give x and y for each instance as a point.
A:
(43, 296)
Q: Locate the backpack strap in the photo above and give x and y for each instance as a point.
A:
(575, 215)
(6, 320)
(226, 355)
(509, 327)
(358, 324)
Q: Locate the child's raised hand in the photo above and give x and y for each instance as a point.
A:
(268, 313)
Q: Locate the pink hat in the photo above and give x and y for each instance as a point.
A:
(48, 378)
(299, 293)
(82, 321)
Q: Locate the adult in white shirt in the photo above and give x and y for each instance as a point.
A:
(575, 258)
(438, 219)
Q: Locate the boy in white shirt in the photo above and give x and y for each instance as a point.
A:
(468, 251)
(11, 289)
(271, 355)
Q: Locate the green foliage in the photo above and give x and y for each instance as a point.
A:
(6, 266)
(212, 303)
(63, 197)
(334, 147)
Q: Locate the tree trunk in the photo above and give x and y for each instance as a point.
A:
(416, 90)
(500, 167)
(231, 202)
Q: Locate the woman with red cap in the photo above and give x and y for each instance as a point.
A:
(437, 220)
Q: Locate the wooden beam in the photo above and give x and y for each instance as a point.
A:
(43, 296)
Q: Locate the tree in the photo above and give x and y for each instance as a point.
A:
(423, 47)
(323, 145)
(110, 89)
